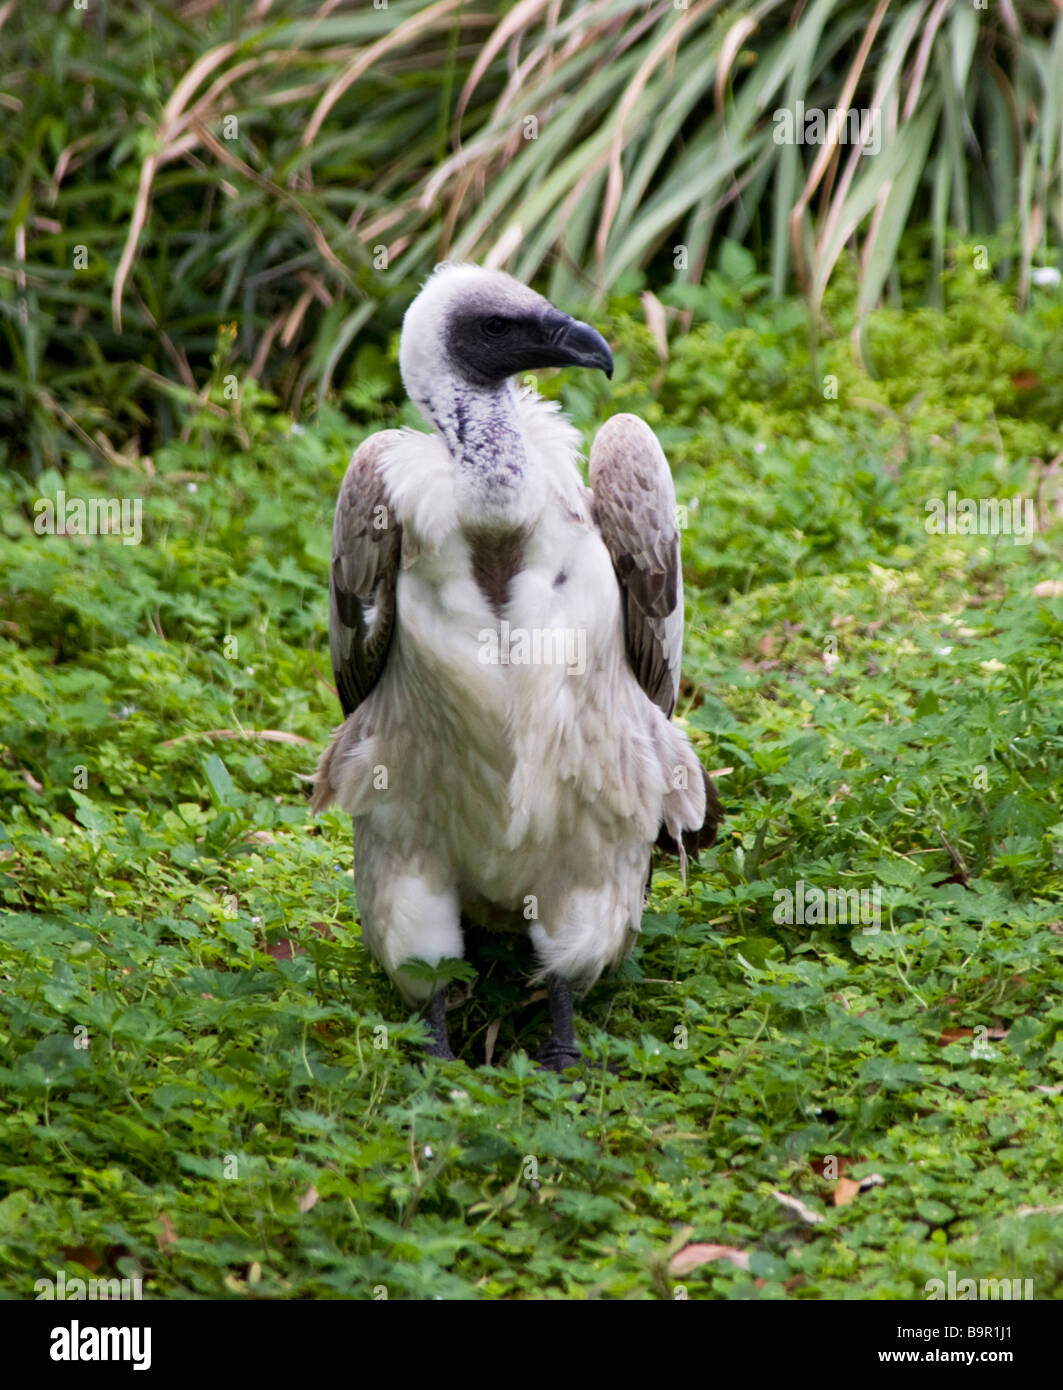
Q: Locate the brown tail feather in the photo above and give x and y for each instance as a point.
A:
(705, 835)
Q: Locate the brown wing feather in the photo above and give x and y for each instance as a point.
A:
(634, 507)
(366, 547)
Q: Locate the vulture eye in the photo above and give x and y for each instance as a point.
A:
(494, 327)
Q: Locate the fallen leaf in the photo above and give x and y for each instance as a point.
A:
(83, 1255)
(167, 1237)
(840, 1165)
(692, 1257)
(795, 1205)
(1025, 381)
(951, 1035)
(845, 1191)
(284, 948)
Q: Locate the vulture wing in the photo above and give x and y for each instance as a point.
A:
(634, 506)
(366, 544)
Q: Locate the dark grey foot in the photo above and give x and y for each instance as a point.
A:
(561, 1051)
(554, 1057)
(436, 1017)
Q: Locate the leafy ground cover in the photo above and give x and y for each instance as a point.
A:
(206, 1084)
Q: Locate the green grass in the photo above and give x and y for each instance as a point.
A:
(254, 1115)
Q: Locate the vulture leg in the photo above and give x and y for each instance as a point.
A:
(561, 1051)
(436, 1014)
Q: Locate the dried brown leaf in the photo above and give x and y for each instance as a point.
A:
(799, 1208)
(692, 1257)
(167, 1236)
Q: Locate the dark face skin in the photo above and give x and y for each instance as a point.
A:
(489, 347)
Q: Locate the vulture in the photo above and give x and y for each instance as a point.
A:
(506, 645)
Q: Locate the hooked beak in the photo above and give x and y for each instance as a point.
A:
(576, 344)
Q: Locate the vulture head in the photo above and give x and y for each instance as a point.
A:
(472, 329)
